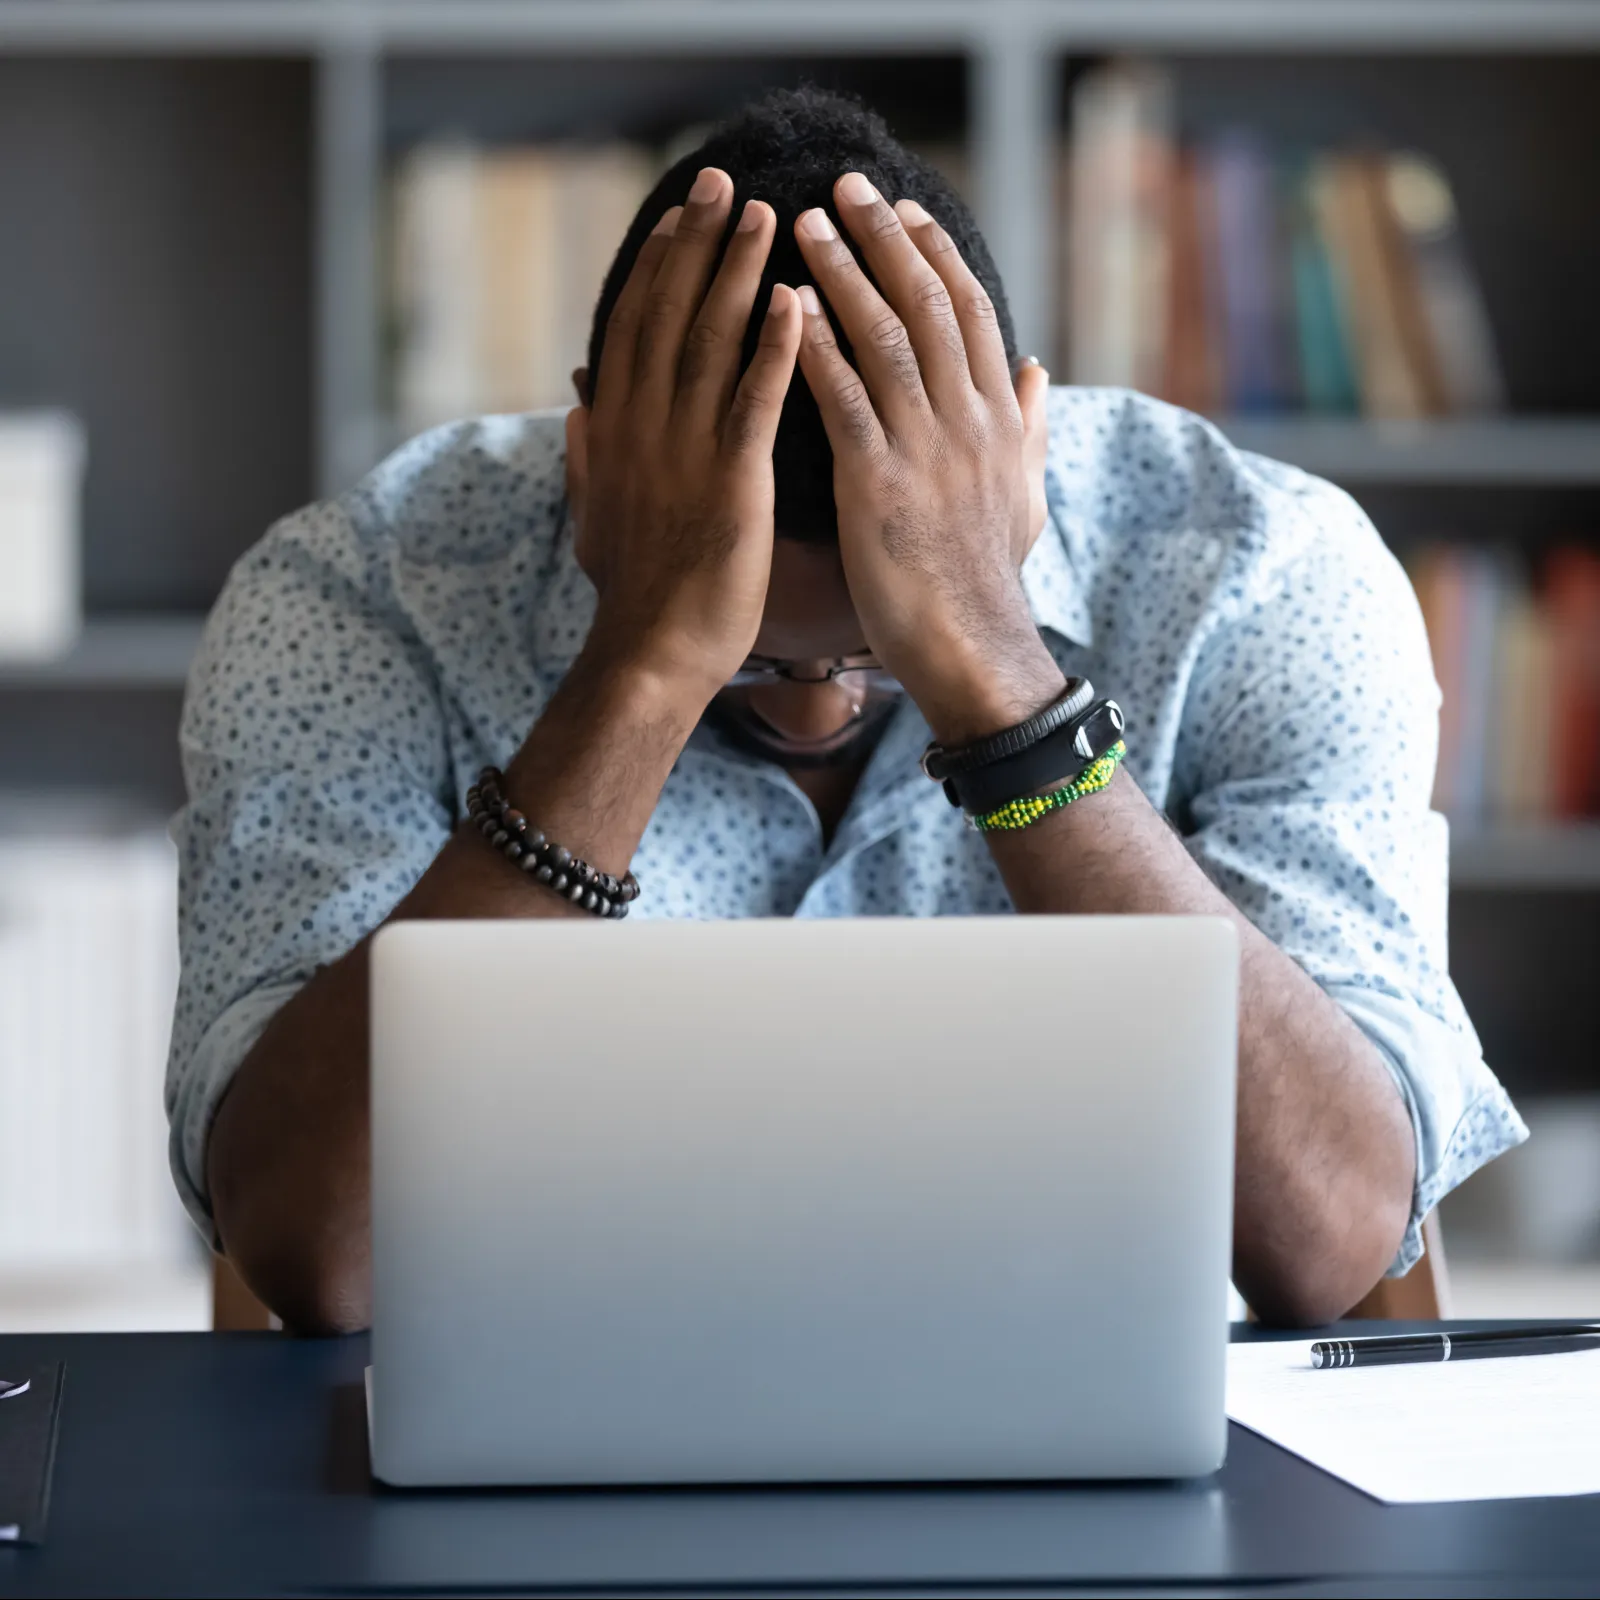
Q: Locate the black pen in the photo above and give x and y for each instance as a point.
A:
(1552, 1339)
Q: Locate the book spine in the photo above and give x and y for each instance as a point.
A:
(1351, 229)
(1322, 336)
(1573, 592)
(1449, 298)
(1193, 366)
(1118, 234)
(1241, 180)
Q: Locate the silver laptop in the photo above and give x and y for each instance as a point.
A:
(668, 1202)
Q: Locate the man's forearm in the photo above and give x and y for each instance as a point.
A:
(290, 1157)
(1326, 1158)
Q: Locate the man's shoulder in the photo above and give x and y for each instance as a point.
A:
(1135, 462)
(466, 492)
(1129, 471)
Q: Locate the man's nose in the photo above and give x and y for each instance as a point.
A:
(804, 711)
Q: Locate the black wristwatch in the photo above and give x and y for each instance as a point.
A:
(940, 763)
(1057, 758)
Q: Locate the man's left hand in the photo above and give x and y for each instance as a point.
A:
(938, 463)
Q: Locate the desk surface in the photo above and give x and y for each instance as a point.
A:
(234, 1463)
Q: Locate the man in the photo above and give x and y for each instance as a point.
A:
(708, 632)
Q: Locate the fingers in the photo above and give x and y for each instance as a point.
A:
(614, 382)
(673, 300)
(914, 291)
(842, 398)
(710, 365)
(883, 348)
(752, 423)
(974, 311)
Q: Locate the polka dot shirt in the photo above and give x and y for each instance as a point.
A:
(369, 655)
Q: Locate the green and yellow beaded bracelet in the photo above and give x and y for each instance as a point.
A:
(1022, 813)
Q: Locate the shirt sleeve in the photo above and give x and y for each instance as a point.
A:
(315, 756)
(1308, 758)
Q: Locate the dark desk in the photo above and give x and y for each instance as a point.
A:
(233, 1463)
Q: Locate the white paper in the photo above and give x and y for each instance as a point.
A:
(1499, 1429)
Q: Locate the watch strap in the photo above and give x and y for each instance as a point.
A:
(940, 763)
(1058, 758)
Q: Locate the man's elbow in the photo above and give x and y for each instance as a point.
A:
(313, 1285)
(1336, 1268)
(305, 1253)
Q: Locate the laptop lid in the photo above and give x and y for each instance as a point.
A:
(801, 1200)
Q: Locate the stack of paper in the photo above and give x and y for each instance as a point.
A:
(1498, 1429)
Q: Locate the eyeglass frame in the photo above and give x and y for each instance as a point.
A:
(769, 669)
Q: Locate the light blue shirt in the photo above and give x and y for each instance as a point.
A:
(370, 654)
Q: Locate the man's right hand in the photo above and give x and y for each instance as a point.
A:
(669, 469)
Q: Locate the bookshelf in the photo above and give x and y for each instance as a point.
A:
(133, 652)
(257, 136)
(1530, 452)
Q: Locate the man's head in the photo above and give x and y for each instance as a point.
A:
(789, 149)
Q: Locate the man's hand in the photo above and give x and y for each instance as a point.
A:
(670, 470)
(938, 463)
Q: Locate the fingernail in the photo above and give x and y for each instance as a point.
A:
(780, 300)
(857, 190)
(1032, 361)
(808, 300)
(669, 221)
(911, 212)
(706, 186)
(815, 225)
(750, 217)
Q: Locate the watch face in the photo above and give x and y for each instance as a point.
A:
(1099, 731)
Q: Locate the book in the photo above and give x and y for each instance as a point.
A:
(1439, 580)
(1227, 275)
(1418, 346)
(1347, 199)
(1245, 263)
(1483, 586)
(1192, 369)
(1572, 583)
(498, 259)
(1327, 377)
(1118, 236)
(1423, 208)
(84, 1179)
(1520, 786)
(1518, 666)
(41, 474)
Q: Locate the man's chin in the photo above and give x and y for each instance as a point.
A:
(742, 727)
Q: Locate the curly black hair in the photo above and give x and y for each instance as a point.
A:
(789, 148)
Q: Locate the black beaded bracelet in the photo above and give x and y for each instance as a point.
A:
(542, 859)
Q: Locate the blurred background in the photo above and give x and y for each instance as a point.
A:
(249, 245)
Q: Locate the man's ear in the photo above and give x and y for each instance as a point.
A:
(580, 382)
(1033, 396)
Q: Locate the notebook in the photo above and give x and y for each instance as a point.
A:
(29, 1410)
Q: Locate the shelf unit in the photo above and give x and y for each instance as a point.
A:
(1525, 452)
(300, 96)
(1012, 49)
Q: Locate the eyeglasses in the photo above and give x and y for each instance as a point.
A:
(857, 674)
